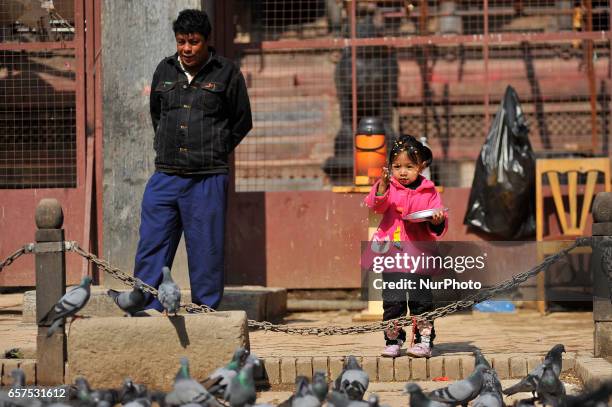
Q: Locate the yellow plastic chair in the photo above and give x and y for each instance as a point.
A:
(570, 224)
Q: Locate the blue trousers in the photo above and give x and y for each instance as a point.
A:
(173, 204)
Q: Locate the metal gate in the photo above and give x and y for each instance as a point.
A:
(434, 69)
(49, 121)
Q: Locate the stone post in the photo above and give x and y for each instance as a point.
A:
(50, 287)
(601, 266)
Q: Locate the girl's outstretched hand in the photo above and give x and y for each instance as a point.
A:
(384, 181)
(437, 217)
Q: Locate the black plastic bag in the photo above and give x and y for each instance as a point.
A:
(502, 198)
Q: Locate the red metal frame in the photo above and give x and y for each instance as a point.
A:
(36, 46)
(18, 205)
(354, 79)
(494, 39)
(486, 65)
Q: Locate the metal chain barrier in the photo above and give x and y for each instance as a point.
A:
(332, 330)
(17, 254)
(129, 280)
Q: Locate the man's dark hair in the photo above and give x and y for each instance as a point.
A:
(192, 21)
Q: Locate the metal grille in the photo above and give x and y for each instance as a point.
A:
(428, 68)
(37, 96)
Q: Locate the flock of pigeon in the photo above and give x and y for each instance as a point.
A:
(233, 385)
(131, 302)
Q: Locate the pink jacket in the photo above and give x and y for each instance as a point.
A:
(398, 201)
(408, 201)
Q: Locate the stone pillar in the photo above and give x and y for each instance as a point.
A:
(601, 266)
(50, 287)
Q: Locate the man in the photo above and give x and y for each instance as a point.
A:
(200, 111)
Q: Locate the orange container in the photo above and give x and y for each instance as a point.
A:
(370, 156)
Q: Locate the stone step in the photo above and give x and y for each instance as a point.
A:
(259, 303)
(283, 370)
(280, 372)
(392, 393)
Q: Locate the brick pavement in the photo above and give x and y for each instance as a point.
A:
(514, 343)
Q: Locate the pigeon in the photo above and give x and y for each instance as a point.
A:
(373, 400)
(319, 385)
(491, 391)
(352, 381)
(339, 399)
(462, 391)
(131, 391)
(303, 396)
(187, 390)
(242, 387)
(530, 382)
(71, 303)
(256, 362)
(130, 301)
(82, 389)
(479, 359)
(169, 293)
(158, 397)
(100, 398)
(549, 388)
(317, 389)
(599, 397)
(525, 402)
(419, 399)
(140, 402)
(19, 379)
(218, 381)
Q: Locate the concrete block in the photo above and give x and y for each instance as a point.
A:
(29, 368)
(533, 362)
(385, 369)
(303, 367)
(602, 308)
(319, 364)
(259, 303)
(335, 366)
(603, 339)
(370, 365)
(467, 365)
(419, 369)
(569, 362)
(402, 369)
(99, 304)
(602, 229)
(436, 367)
(501, 365)
(288, 371)
(7, 367)
(593, 371)
(518, 367)
(452, 367)
(272, 369)
(276, 303)
(148, 349)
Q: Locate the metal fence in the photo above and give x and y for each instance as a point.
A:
(38, 63)
(434, 69)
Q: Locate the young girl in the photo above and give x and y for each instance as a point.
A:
(402, 190)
